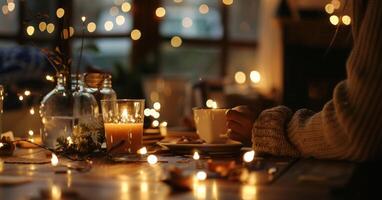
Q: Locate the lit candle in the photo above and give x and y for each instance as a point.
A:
(129, 133)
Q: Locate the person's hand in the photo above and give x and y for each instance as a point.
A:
(239, 123)
(269, 133)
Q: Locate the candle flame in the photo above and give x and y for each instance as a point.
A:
(201, 175)
(54, 160)
(152, 159)
(196, 156)
(142, 151)
(249, 156)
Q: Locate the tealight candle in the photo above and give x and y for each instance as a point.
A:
(129, 134)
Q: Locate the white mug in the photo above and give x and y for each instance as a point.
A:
(211, 124)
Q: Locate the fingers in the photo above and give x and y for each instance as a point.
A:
(239, 117)
(245, 139)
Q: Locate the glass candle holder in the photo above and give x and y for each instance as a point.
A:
(123, 120)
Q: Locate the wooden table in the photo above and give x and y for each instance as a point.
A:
(296, 179)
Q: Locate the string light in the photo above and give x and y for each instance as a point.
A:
(176, 41)
(187, 22)
(249, 156)
(83, 18)
(54, 160)
(126, 7)
(152, 159)
(157, 106)
(227, 2)
(49, 78)
(346, 20)
(334, 19)
(142, 151)
(30, 133)
(329, 8)
(135, 34)
(27, 92)
(240, 77)
(42, 26)
(91, 27)
(201, 175)
(120, 20)
(108, 25)
(21, 97)
(30, 30)
(147, 112)
(160, 12)
(196, 156)
(50, 28)
(255, 76)
(60, 12)
(31, 111)
(204, 9)
(155, 123)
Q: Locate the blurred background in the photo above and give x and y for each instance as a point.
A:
(179, 53)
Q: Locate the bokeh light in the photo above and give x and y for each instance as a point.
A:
(204, 9)
(187, 22)
(240, 77)
(60, 12)
(135, 34)
(346, 19)
(176, 41)
(126, 7)
(30, 30)
(160, 12)
(120, 20)
(108, 25)
(334, 19)
(255, 76)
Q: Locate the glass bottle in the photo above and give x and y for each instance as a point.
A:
(63, 108)
(100, 85)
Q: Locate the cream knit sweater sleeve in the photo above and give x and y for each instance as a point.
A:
(350, 125)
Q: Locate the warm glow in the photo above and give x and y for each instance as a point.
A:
(187, 22)
(156, 115)
(31, 111)
(201, 175)
(56, 192)
(346, 19)
(124, 114)
(176, 41)
(91, 27)
(21, 97)
(54, 160)
(334, 19)
(135, 34)
(142, 151)
(336, 4)
(227, 2)
(196, 156)
(329, 8)
(155, 123)
(114, 11)
(49, 78)
(249, 156)
(160, 12)
(1, 144)
(71, 31)
(30, 133)
(108, 25)
(42, 26)
(152, 159)
(60, 12)
(204, 9)
(11, 6)
(147, 112)
(157, 106)
(27, 92)
(69, 140)
(209, 103)
(120, 20)
(126, 7)
(50, 28)
(163, 124)
(30, 30)
(255, 76)
(248, 192)
(240, 77)
(178, 1)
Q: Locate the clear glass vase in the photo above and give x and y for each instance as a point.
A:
(63, 108)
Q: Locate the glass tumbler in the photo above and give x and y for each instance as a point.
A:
(123, 121)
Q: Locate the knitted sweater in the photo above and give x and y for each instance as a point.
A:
(349, 127)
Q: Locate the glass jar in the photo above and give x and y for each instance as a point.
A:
(100, 85)
(63, 108)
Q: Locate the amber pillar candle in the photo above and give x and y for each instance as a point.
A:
(124, 137)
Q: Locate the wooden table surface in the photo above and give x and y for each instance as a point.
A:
(296, 179)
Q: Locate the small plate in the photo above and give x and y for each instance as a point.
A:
(226, 148)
